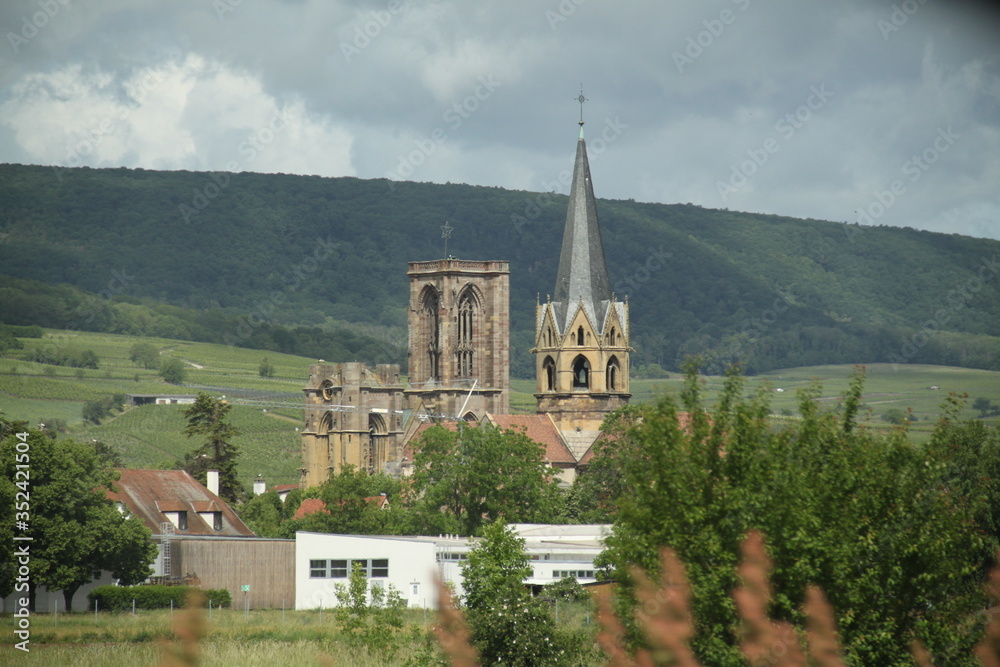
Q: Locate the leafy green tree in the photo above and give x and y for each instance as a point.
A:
(95, 411)
(370, 624)
(88, 359)
(263, 514)
(508, 626)
(594, 495)
(108, 455)
(173, 371)
(207, 418)
(349, 496)
(894, 416)
(77, 531)
(266, 368)
(144, 354)
(985, 407)
(475, 475)
(98, 409)
(866, 516)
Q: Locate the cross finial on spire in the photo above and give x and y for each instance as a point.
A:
(581, 99)
(446, 230)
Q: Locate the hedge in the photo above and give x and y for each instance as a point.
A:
(119, 598)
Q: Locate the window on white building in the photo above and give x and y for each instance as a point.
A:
(340, 568)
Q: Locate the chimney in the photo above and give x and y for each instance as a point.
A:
(259, 486)
(213, 481)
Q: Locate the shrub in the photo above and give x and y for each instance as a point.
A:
(173, 371)
(119, 598)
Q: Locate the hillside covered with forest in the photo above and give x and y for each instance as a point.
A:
(317, 266)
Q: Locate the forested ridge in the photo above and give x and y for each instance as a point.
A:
(317, 266)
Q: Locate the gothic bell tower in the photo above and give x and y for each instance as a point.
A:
(459, 342)
(582, 332)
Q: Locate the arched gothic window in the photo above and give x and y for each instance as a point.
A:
(431, 316)
(466, 334)
(579, 336)
(581, 373)
(613, 374)
(549, 368)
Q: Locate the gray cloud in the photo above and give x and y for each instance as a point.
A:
(381, 88)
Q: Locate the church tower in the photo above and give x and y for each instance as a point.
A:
(582, 333)
(459, 344)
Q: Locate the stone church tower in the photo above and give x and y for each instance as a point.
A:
(582, 333)
(459, 344)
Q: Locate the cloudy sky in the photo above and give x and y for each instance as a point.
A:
(862, 110)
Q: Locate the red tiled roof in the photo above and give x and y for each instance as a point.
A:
(285, 487)
(147, 494)
(381, 502)
(313, 505)
(542, 430)
(310, 506)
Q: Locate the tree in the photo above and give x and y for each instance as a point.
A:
(374, 624)
(172, 370)
(144, 354)
(88, 359)
(866, 516)
(97, 409)
(266, 368)
(508, 626)
(595, 492)
(478, 474)
(985, 407)
(77, 531)
(207, 418)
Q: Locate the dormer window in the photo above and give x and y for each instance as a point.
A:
(182, 520)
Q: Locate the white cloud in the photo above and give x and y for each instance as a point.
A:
(181, 114)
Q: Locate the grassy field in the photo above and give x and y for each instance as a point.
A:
(230, 638)
(150, 436)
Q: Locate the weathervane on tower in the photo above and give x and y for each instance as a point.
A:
(581, 99)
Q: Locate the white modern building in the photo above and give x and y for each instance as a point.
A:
(411, 564)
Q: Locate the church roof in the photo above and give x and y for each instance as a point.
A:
(583, 275)
(542, 430)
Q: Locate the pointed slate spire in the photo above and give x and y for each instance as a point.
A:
(583, 274)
